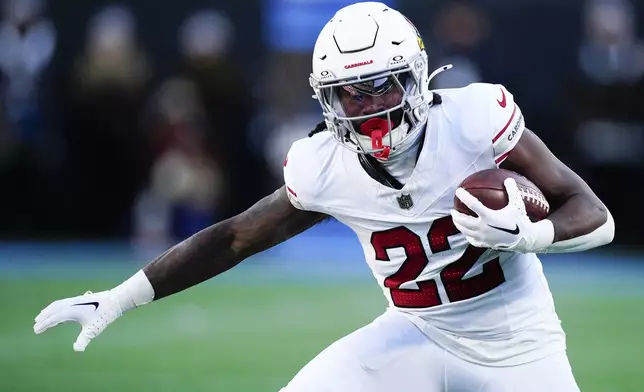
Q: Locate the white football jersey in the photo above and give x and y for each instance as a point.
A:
(489, 307)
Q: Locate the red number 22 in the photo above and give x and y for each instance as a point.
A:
(451, 276)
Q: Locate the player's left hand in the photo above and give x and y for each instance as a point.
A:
(506, 229)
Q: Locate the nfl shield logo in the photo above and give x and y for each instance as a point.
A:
(405, 202)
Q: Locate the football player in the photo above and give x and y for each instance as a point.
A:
(469, 305)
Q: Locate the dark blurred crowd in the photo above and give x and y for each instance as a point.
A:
(108, 149)
(113, 148)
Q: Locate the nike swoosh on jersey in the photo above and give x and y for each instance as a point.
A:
(89, 303)
(503, 102)
(515, 231)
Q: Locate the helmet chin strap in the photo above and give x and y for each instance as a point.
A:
(375, 128)
(376, 142)
(408, 143)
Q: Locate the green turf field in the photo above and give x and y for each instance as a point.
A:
(227, 337)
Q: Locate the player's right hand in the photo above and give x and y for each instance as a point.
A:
(93, 311)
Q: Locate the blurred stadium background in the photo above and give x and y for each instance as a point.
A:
(125, 127)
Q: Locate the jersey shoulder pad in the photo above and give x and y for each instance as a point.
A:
(507, 120)
(305, 169)
(488, 115)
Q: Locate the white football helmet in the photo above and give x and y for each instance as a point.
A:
(368, 49)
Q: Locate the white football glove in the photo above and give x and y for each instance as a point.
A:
(506, 229)
(93, 311)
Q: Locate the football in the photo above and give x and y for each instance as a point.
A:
(487, 186)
